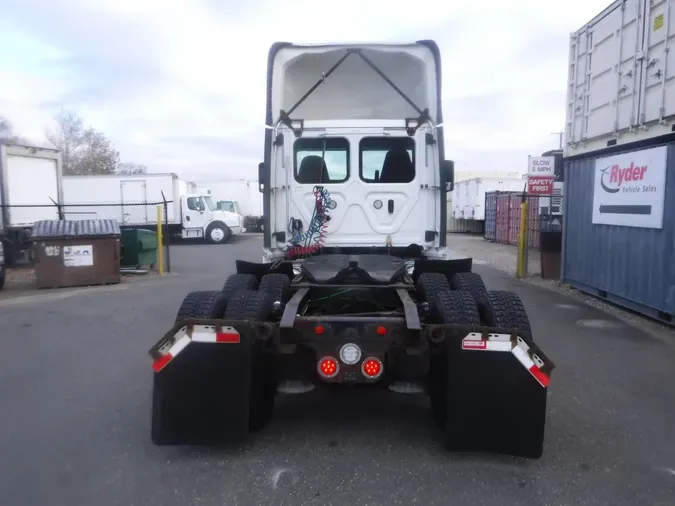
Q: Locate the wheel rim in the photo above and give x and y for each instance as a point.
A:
(217, 234)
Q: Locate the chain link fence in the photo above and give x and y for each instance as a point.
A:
(541, 220)
(18, 220)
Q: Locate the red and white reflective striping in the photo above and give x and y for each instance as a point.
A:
(198, 334)
(503, 342)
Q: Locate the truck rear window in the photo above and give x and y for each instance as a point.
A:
(387, 159)
(321, 160)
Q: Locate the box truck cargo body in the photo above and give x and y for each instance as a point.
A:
(132, 201)
(468, 197)
(621, 86)
(30, 190)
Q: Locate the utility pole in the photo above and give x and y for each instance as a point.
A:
(560, 135)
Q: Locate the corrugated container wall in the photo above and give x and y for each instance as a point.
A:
(627, 265)
(621, 77)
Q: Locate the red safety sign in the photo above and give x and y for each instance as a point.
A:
(540, 185)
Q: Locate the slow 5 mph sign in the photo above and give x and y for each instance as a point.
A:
(540, 175)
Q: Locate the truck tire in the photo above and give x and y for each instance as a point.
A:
(218, 233)
(256, 306)
(469, 282)
(431, 283)
(276, 286)
(455, 307)
(202, 305)
(504, 309)
(236, 282)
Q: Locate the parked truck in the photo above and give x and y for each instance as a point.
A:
(241, 196)
(357, 287)
(132, 201)
(30, 191)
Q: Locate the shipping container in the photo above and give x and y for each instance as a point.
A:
(619, 245)
(621, 86)
(468, 197)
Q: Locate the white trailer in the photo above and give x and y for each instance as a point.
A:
(132, 201)
(241, 196)
(621, 86)
(30, 191)
(468, 197)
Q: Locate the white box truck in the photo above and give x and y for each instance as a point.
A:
(468, 197)
(132, 200)
(621, 86)
(30, 191)
(241, 196)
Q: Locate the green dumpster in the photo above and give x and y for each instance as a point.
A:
(139, 247)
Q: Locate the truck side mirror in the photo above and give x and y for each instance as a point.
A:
(448, 174)
(261, 176)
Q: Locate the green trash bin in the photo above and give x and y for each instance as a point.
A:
(139, 247)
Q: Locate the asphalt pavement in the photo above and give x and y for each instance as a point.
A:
(75, 383)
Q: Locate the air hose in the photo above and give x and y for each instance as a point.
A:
(313, 238)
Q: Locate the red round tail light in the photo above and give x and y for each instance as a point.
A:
(328, 367)
(372, 367)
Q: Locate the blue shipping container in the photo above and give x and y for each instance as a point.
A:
(629, 266)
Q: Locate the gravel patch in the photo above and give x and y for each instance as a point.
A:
(504, 258)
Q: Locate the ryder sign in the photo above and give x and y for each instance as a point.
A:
(629, 189)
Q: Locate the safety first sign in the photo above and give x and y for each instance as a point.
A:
(540, 175)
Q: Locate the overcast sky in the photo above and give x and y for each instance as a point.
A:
(179, 85)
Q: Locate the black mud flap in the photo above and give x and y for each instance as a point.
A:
(496, 390)
(202, 379)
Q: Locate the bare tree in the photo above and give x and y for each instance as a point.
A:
(7, 131)
(83, 151)
(132, 168)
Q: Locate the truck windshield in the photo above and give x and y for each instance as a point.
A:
(311, 169)
(387, 159)
(208, 201)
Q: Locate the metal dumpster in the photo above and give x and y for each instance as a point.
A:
(76, 252)
(139, 247)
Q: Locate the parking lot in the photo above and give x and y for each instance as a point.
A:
(75, 382)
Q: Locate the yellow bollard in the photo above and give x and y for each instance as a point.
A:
(521, 267)
(160, 249)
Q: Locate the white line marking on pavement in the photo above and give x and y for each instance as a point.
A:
(41, 297)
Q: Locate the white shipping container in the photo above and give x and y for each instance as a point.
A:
(29, 177)
(468, 197)
(123, 193)
(621, 85)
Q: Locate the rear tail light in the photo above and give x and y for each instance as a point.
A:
(372, 368)
(328, 367)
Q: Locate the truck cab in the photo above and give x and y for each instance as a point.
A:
(354, 153)
(201, 218)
